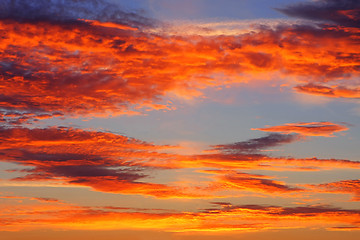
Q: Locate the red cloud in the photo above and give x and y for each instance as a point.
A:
(326, 129)
(104, 161)
(90, 67)
(114, 163)
(261, 162)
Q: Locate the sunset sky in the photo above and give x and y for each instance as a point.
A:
(179, 119)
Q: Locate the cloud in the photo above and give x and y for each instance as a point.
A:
(306, 211)
(70, 11)
(345, 186)
(39, 199)
(344, 228)
(108, 162)
(341, 12)
(279, 217)
(223, 217)
(329, 91)
(95, 65)
(262, 162)
(47, 200)
(325, 129)
(233, 180)
(103, 161)
(91, 58)
(257, 144)
(14, 118)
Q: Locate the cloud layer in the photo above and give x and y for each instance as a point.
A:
(108, 162)
(66, 58)
(33, 214)
(325, 129)
(91, 58)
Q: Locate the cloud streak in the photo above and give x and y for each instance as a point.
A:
(254, 145)
(232, 180)
(329, 91)
(345, 186)
(103, 161)
(224, 217)
(109, 162)
(324, 129)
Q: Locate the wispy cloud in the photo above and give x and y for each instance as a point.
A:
(254, 145)
(233, 180)
(325, 129)
(104, 161)
(329, 91)
(345, 186)
(224, 217)
(109, 162)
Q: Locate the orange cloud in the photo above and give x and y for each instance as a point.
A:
(263, 162)
(103, 161)
(97, 67)
(325, 129)
(232, 180)
(40, 199)
(329, 91)
(227, 217)
(109, 62)
(345, 186)
(114, 163)
(250, 154)
(271, 217)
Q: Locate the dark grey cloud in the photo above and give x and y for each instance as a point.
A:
(304, 211)
(256, 144)
(342, 12)
(84, 171)
(74, 167)
(71, 10)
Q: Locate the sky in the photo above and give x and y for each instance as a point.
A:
(180, 120)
